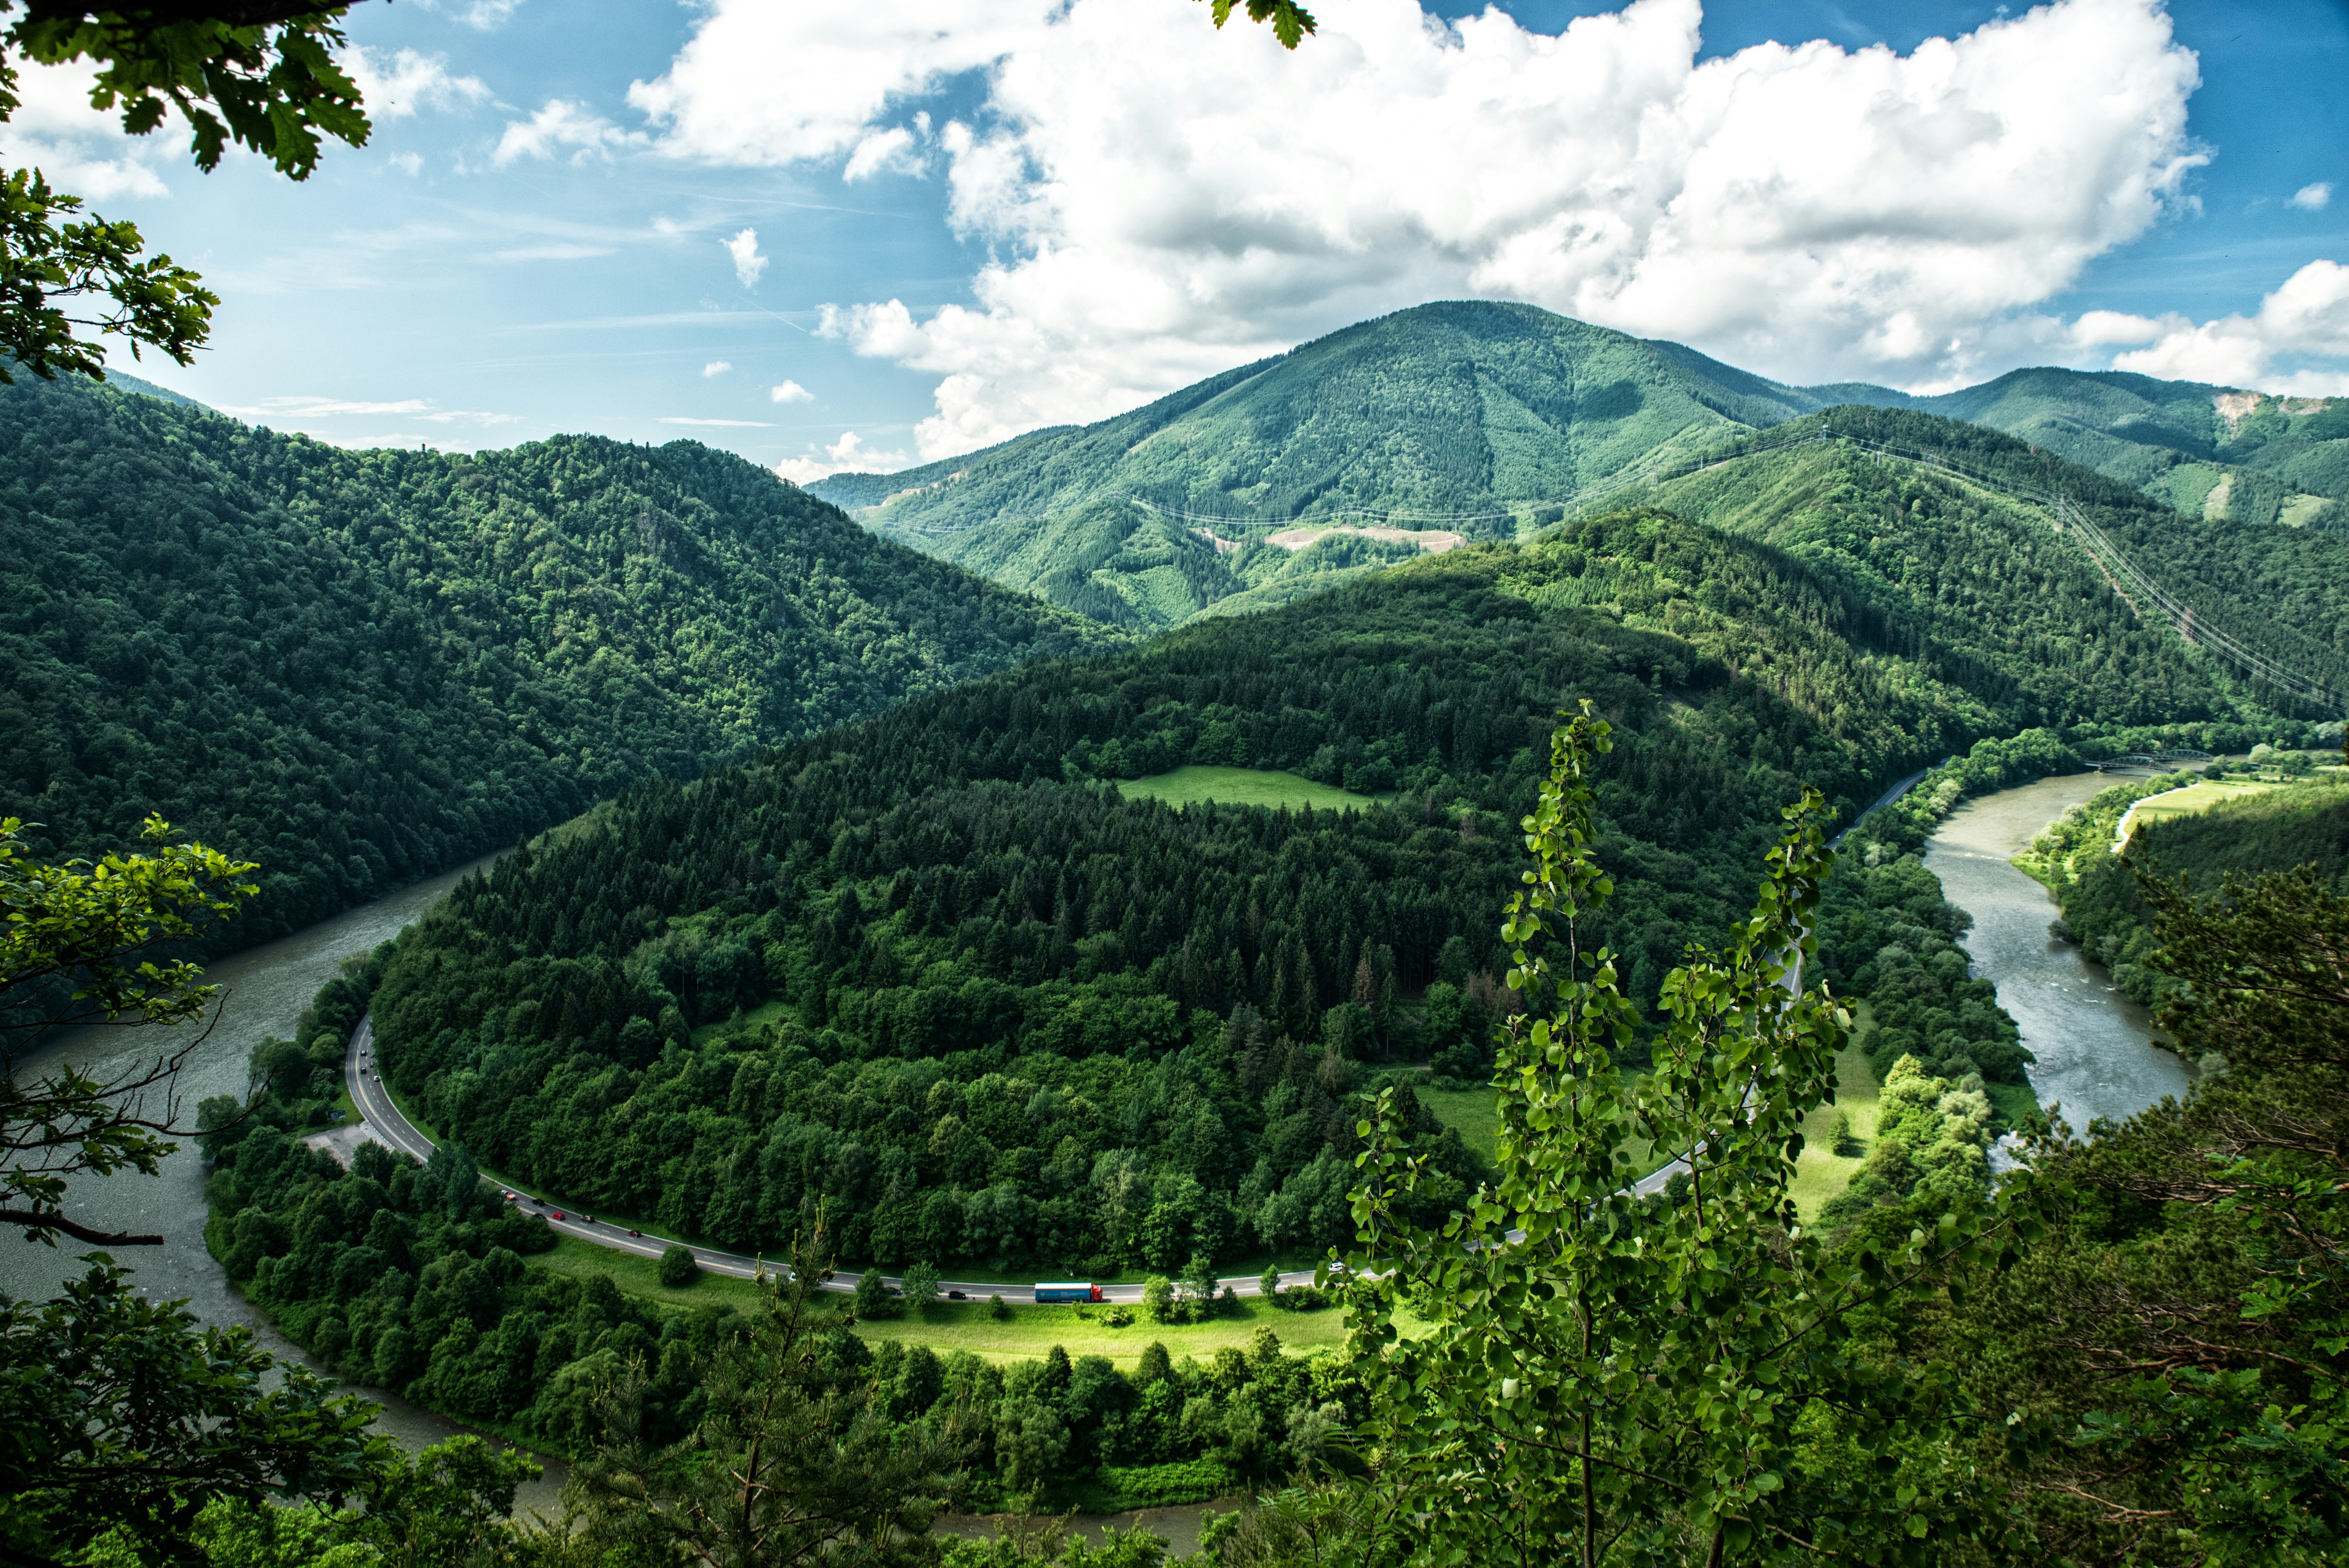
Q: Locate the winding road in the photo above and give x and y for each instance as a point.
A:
(380, 1117)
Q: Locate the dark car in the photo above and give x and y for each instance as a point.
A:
(957, 1296)
(635, 1232)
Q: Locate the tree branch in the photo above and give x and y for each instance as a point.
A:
(78, 1233)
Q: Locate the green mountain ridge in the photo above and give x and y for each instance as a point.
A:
(358, 668)
(1487, 421)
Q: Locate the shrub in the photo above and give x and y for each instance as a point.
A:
(998, 1309)
(1116, 1317)
(1158, 1299)
(677, 1268)
(873, 1297)
(1844, 1140)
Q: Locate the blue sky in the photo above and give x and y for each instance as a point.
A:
(1022, 213)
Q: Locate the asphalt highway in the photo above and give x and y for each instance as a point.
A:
(381, 1116)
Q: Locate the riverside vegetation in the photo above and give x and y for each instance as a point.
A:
(1909, 1399)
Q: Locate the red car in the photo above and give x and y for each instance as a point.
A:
(635, 1232)
(558, 1214)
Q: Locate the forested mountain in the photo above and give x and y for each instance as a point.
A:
(1487, 421)
(358, 668)
(939, 977)
(1991, 577)
(2208, 451)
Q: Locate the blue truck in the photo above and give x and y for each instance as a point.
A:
(1068, 1289)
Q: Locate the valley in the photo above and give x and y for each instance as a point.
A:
(1069, 924)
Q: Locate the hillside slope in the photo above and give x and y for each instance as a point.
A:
(1467, 412)
(2208, 451)
(1469, 420)
(360, 668)
(1990, 581)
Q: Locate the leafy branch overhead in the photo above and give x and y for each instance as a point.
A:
(88, 943)
(1290, 22)
(259, 76)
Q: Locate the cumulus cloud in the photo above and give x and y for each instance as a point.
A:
(748, 263)
(2314, 198)
(2307, 317)
(716, 367)
(889, 151)
(562, 126)
(1159, 201)
(80, 150)
(847, 455)
(397, 87)
(790, 392)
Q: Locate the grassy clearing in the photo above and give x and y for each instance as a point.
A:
(2192, 801)
(1821, 1172)
(1197, 783)
(641, 1278)
(1476, 1112)
(1032, 1331)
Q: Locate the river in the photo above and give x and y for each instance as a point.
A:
(2096, 1056)
(2094, 1047)
(268, 988)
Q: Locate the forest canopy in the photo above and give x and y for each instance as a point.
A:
(360, 668)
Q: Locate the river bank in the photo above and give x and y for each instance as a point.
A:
(2094, 1046)
(266, 989)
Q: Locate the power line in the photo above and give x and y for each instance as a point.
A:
(2124, 576)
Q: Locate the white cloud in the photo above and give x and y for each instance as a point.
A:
(889, 151)
(407, 162)
(1159, 201)
(559, 126)
(716, 367)
(553, 252)
(485, 16)
(748, 263)
(790, 392)
(2314, 198)
(846, 455)
(81, 150)
(720, 102)
(409, 81)
(318, 407)
(2105, 328)
(715, 424)
(2308, 317)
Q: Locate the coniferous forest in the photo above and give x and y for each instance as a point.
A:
(361, 668)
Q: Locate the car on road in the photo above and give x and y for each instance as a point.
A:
(635, 1232)
(558, 1214)
(957, 1296)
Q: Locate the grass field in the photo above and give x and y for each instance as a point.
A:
(1821, 1172)
(1032, 1331)
(1241, 787)
(1473, 1111)
(641, 1276)
(1029, 1332)
(2188, 801)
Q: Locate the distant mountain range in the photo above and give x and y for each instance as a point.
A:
(1476, 420)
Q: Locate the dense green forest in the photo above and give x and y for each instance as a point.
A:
(358, 668)
(1980, 570)
(939, 977)
(2178, 440)
(1490, 420)
(2302, 826)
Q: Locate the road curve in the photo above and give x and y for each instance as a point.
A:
(384, 1119)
